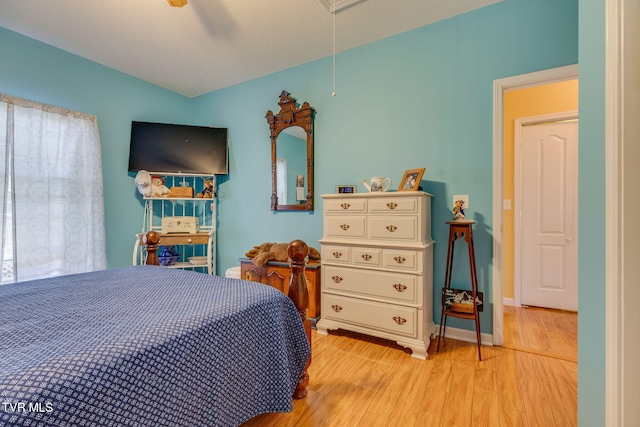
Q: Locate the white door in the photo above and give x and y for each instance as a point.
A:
(547, 198)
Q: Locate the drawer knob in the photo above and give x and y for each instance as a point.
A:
(366, 257)
(400, 320)
(345, 227)
(345, 206)
(337, 254)
(189, 240)
(391, 228)
(336, 308)
(399, 287)
(399, 259)
(336, 279)
(392, 205)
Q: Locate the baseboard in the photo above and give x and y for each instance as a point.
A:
(466, 335)
(508, 302)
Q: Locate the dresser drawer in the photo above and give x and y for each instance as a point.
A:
(345, 205)
(399, 259)
(398, 228)
(345, 226)
(341, 254)
(394, 205)
(385, 317)
(377, 284)
(367, 256)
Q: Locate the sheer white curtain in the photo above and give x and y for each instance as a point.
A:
(51, 197)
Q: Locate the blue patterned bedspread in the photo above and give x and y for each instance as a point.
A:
(146, 346)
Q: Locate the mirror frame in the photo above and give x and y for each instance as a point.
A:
(289, 116)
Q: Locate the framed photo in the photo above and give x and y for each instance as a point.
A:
(411, 179)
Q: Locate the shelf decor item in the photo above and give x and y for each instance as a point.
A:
(197, 260)
(167, 255)
(461, 301)
(458, 210)
(143, 182)
(411, 180)
(207, 192)
(186, 192)
(346, 189)
(378, 183)
(158, 189)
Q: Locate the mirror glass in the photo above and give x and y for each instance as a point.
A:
(291, 166)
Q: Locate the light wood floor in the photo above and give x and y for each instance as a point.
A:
(542, 331)
(363, 381)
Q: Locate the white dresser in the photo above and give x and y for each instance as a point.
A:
(377, 261)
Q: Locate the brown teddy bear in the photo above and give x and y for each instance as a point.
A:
(207, 192)
(259, 249)
(269, 251)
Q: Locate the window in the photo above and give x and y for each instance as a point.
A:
(51, 198)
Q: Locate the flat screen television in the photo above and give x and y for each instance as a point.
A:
(174, 148)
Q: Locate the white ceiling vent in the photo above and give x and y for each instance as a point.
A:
(334, 6)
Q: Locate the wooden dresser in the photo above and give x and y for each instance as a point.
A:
(278, 275)
(377, 256)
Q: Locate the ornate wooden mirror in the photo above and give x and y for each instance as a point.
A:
(291, 155)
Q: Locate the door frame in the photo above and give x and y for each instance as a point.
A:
(500, 86)
(517, 195)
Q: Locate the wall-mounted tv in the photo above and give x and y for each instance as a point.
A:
(174, 148)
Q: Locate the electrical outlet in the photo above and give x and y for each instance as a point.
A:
(464, 198)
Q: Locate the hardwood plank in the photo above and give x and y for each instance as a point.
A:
(458, 404)
(485, 409)
(510, 403)
(430, 412)
(564, 405)
(403, 387)
(538, 409)
(364, 381)
(532, 386)
(543, 331)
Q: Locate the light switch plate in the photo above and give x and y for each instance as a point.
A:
(464, 198)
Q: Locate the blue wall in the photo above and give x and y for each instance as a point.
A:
(422, 98)
(591, 218)
(38, 72)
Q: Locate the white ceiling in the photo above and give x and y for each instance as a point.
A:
(211, 44)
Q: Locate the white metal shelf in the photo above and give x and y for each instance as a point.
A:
(156, 208)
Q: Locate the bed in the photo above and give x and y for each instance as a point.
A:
(150, 346)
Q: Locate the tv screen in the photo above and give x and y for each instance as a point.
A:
(172, 148)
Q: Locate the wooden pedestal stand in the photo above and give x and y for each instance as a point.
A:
(458, 229)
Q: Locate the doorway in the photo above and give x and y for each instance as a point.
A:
(502, 205)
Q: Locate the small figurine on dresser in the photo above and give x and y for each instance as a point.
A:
(207, 193)
(158, 189)
(458, 211)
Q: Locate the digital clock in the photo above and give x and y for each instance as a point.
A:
(345, 189)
